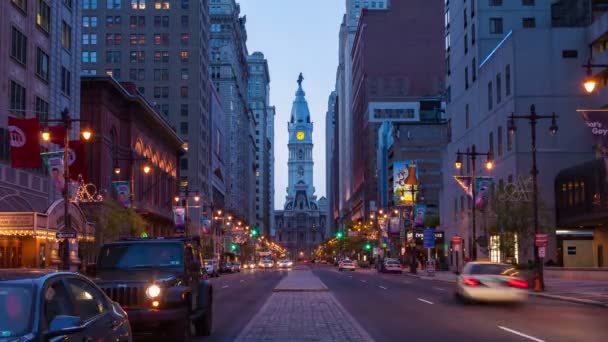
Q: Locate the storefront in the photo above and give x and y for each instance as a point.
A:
(28, 239)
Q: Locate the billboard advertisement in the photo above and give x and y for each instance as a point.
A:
(405, 179)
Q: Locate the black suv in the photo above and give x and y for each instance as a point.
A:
(160, 284)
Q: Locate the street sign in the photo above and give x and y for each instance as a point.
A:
(430, 267)
(66, 235)
(541, 240)
(429, 238)
(541, 252)
(456, 240)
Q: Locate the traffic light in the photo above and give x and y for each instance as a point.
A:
(339, 235)
(233, 247)
(254, 231)
(368, 246)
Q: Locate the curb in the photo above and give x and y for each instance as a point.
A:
(429, 278)
(569, 299)
(301, 290)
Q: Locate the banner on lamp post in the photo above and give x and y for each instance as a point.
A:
(419, 213)
(206, 225)
(123, 193)
(179, 218)
(54, 164)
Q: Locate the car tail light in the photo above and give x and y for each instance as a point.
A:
(518, 283)
(470, 281)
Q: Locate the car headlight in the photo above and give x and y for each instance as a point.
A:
(153, 291)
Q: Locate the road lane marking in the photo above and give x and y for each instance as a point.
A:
(225, 286)
(382, 287)
(242, 280)
(350, 276)
(438, 288)
(521, 334)
(425, 301)
(363, 281)
(407, 282)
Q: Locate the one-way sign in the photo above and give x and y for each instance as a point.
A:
(66, 235)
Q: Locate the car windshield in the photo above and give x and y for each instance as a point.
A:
(140, 255)
(392, 262)
(495, 269)
(15, 309)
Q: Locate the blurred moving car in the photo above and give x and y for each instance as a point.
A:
(391, 265)
(491, 282)
(285, 263)
(266, 263)
(225, 267)
(347, 264)
(235, 267)
(212, 267)
(251, 265)
(42, 305)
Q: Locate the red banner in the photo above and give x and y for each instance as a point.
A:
(77, 159)
(57, 134)
(25, 144)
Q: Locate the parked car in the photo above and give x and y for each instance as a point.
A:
(160, 284)
(250, 265)
(41, 305)
(285, 263)
(391, 266)
(490, 282)
(236, 267)
(211, 267)
(225, 267)
(266, 263)
(347, 264)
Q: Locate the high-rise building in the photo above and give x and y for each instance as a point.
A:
(259, 98)
(229, 74)
(503, 57)
(162, 47)
(348, 30)
(331, 182)
(270, 173)
(302, 223)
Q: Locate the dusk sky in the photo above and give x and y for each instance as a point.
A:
(296, 36)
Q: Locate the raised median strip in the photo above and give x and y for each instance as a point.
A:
(301, 280)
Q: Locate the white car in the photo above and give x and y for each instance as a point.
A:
(266, 263)
(392, 265)
(347, 265)
(212, 267)
(285, 263)
(491, 282)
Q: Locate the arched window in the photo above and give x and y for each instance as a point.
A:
(300, 154)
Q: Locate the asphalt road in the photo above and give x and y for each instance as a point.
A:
(238, 297)
(393, 307)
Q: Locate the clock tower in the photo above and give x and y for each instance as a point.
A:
(300, 145)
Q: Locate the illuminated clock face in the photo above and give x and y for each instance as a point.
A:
(300, 135)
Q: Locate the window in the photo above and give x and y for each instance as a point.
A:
(498, 88)
(467, 116)
(113, 38)
(113, 4)
(43, 16)
(42, 110)
(137, 39)
(112, 56)
(183, 109)
(161, 56)
(490, 96)
(114, 73)
(473, 70)
(185, 38)
(89, 21)
(185, 4)
(161, 92)
(183, 127)
(508, 79)
(22, 4)
(89, 39)
(184, 73)
(473, 34)
(137, 74)
(466, 77)
(529, 22)
(491, 143)
(496, 25)
(68, 3)
(184, 55)
(495, 2)
(138, 4)
(162, 5)
(183, 164)
(185, 21)
(161, 39)
(527, 2)
(183, 92)
(17, 99)
(161, 74)
(466, 44)
(18, 46)
(466, 19)
(88, 301)
(499, 134)
(57, 302)
(89, 57)
(66, 76)
(569, 54)
(137, 57)
(89, 4)
(66, 35)
(42, 64)
(216, 27)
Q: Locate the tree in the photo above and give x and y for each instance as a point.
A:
(114, 221)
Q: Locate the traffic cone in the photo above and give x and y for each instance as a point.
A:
(537, 285)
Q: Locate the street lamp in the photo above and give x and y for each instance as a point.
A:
(473, 154)
(66, 121)
(590, 82)
(184, 187)
(533, 118)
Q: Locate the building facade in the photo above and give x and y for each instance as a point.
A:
(331, 191)
(401, 87)
(259, 102)
(162, 47)
(230, 73)
(302, 223)
(493, 51)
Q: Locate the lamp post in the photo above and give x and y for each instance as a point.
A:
(184, 188)
(533, 119)
(66, 121)
(473, 154)
(590, 82)
(414, 189)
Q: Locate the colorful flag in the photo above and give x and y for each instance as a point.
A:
(179, 217)
(25, 143)
(419, 213)
(123, 192)
(54, 163)
(206, 225)
(77, 159)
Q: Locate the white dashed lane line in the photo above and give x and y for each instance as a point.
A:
(425, 301)
(225, 286)
(515, 332)
(438, 288)
(363, 281)
(382, 287)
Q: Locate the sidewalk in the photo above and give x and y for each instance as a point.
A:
(302, 310)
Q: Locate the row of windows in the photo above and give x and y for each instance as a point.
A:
(140, 56)
(134, 21)
(17, 102)
(499, 87)
(18, 51)
(163, 92)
